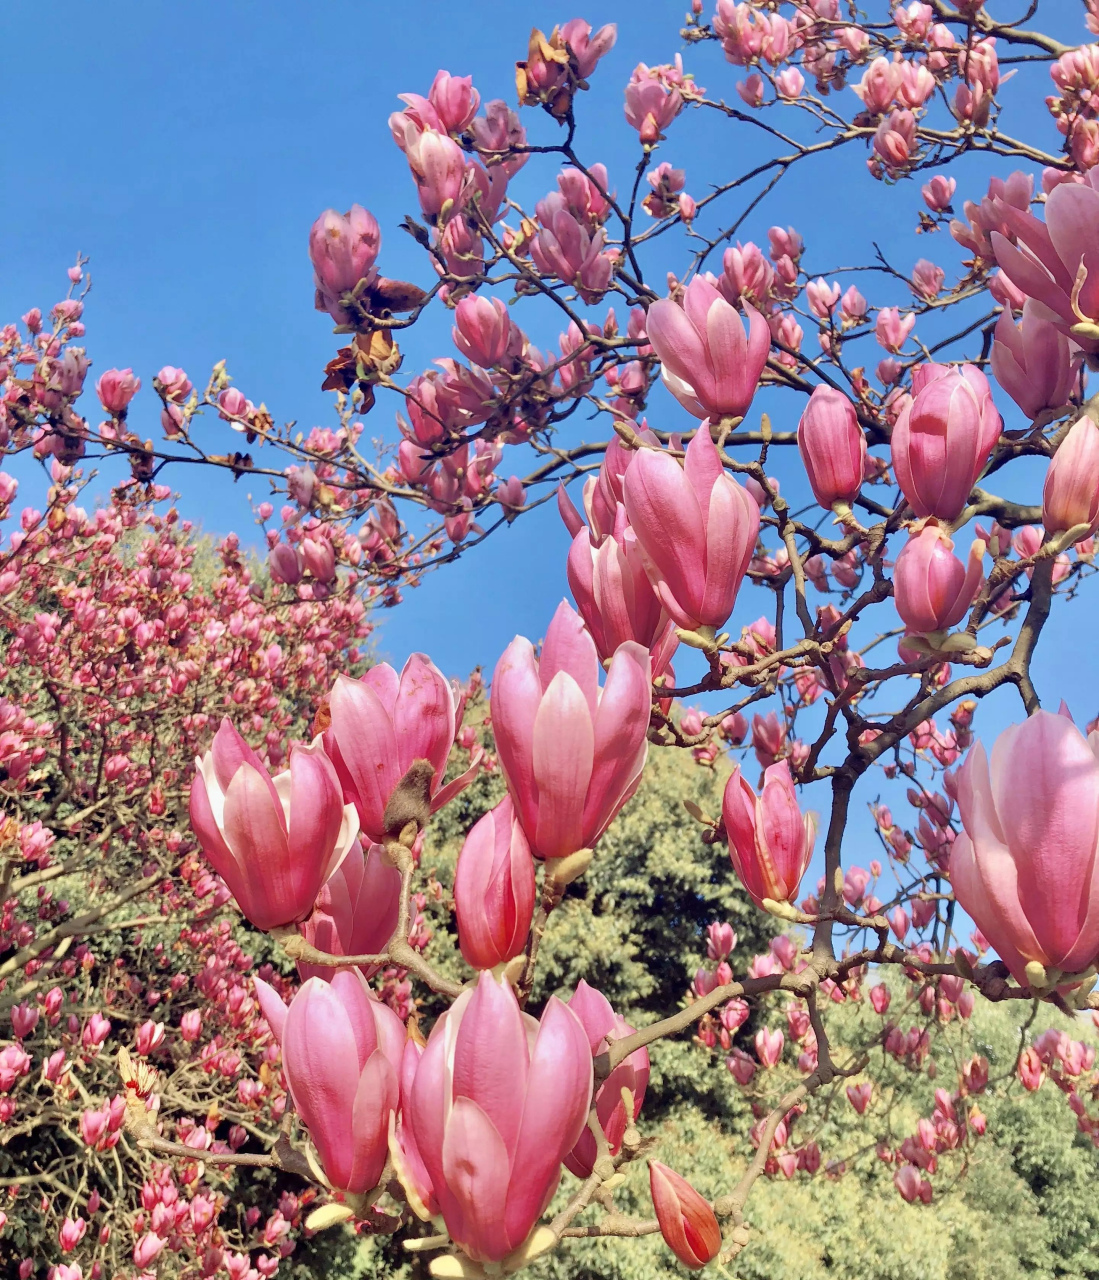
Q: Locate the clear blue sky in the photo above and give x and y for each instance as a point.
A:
(187, 148)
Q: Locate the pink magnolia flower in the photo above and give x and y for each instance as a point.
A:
(14, 1062)
(707, 361)
(832, 447)
(823, 298)
(910, 1184)
(1025, 865)
(917, 84)
(769, 1046)
(878, 86)
(696, 527)
(587, 48)
(148, 1248)
(789, 84)
(1033, 361)
(498, 1101)
(274, 841)
(943, 437)
(651, 104)
(892, 329)
(603, 492)
(455, 100)
(494, 889)
(482, 329)
(71, 1233)
(927, 279)
(355, 912)
(116, 388)
(319, 557)
(571, 754)
(614, 596)
(895, 139)
(190, 1025)
(603, 1026)
(1070, 496)
(565, 248)
(438, 165)
(687, 1222)
(931, 587)
(770, 840)
(939, 192)
(148, 1036)
(341, 1052)
(24, 1019)
(284, 564)
(381, 724)
(720, 940)
(343, 249)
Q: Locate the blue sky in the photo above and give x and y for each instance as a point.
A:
(188, 148)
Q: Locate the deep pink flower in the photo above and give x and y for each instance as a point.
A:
(943, 437)
(341, 1051)
(482, 329)
(275, 841)
(931, 587)
(696, 527)
(498, 1101)
(384, 722)
(614, 595)
(832, 447)
(770, 840)
(707, 361)
(1070, 496)
(343, 249)
(355, 912)
(116, 388)
(687, 1222)
(571, 753)
(1033, 362)
(1056, 262)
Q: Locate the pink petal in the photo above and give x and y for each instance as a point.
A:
(558, 1095)
(620, 744)
(568, 646)
(476, 1168)
(423, 716)
(514, 702)
(375, 1101)
(272, 1006)
(564, 746)
(363, 732)
(491, 1056)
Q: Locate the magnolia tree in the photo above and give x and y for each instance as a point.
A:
(873, 645)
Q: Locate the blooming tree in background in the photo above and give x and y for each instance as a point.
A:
(311, 801)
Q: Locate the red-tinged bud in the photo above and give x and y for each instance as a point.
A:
(687, 1222)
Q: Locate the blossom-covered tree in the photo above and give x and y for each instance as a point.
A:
(188, 736)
